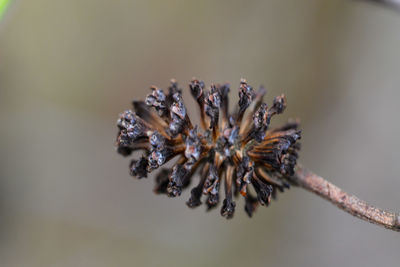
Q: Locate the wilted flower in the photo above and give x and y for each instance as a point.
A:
(232, 151)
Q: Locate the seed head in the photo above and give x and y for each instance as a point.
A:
(238, 150)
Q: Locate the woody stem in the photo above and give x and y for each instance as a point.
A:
(389, 3)
(345, 201)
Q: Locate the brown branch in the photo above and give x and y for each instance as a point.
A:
(395, 4)
(345, 201)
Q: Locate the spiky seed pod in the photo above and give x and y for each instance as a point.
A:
(235, 151)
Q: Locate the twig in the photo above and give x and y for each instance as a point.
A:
(345, 201)
(389, 3)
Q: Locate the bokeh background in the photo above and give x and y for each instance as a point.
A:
(68, 68)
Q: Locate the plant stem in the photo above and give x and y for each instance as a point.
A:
(389, 3)
(345, 201)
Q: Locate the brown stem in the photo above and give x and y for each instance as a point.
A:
(345, 201)
(389, 3)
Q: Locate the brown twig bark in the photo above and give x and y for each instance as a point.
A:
(345, 201)
(395, 4)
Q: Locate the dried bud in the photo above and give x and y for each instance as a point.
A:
(139, 167)
(173, 88)
(211, 187)
(131, 129)
(196, 88)
(246, 95)
(178, 115)
(224, 92)
(228, 208)
(178, 108)
(157, 100)
(279, 104)
(132, 126)
(157, 141)
(162, 180)
(159, 151)
(156, 159)
(250, 205)
(194, 199)
(193, 146)
(263, 190)
(244, 174)
(261, 122)
(212, 201)
(176, 181)
(260, 117)
(212, 105)
(227, 141)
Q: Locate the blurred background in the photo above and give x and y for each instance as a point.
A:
(68, 68)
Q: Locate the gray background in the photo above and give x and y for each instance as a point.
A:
(67, 68)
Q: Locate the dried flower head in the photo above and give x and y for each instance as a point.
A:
(232, 151)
